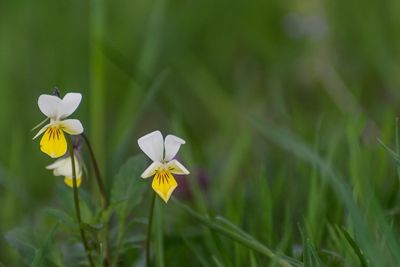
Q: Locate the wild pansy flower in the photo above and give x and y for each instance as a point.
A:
(63, 167)
(162, 152)
(53, 142)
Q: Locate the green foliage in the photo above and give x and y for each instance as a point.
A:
(61, 216)
(34, 250)
(232, 232)
(22, 241)
(310, 255)
(127, 193)
(356, 248)
(281, 104)
(128, 187)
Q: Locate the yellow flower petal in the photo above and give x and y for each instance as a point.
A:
(68, 181)
(53, 142)
(164, 184)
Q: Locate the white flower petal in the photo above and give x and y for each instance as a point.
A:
(63, 167)
(152, 145)
(72, 126)
(44, 128)
(176, 167)
(151, 170)
(172, 145)
(56, 164)
(69, 104)
(49, 105)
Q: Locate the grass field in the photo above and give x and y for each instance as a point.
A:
(289, 112)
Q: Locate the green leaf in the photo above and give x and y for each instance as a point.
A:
(310, 255)
(234, 234)
(128, 186)
(367, 237)
(35, 250)
(127, 191)
(133, 242)
(217, 261)
(392, 153)
(92, 229)
(23, 242)
(41, 255)
(253, 261)
(62, 217)
(354, 246)
(196, 251)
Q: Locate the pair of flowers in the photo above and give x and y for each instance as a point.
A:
(54, 144)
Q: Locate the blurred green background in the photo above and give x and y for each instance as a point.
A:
(243, 82)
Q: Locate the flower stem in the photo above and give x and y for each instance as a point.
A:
(153, 198)
(104, 198)
(76, 202)
(99, 180)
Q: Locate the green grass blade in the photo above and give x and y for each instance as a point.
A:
(298, 148)
(355, 247)
(251, 244)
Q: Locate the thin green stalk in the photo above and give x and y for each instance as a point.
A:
(148, 264)
(76, 202)
(99, 180)
(159, 238)
(236, 236)
(104, 199)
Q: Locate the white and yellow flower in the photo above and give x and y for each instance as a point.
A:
(53, 142)
(162, 153)
(63, 167)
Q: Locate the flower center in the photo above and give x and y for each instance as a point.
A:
(162, 175)
(54, 132)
